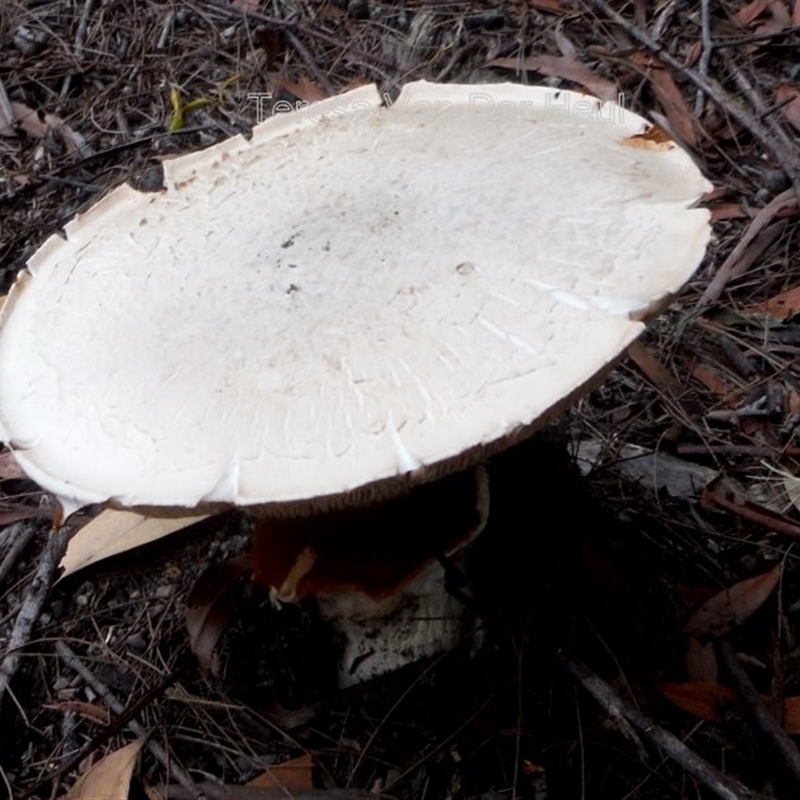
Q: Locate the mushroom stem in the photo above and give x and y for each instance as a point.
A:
(377, 572)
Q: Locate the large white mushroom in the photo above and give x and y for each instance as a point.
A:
(360, 299)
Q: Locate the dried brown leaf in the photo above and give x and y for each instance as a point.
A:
(710, 701)
(555, 6)
(303, 89)
(113, 532)
(209, 609)
(791, 715)
(109, 778)
(22, 512)
(727, 211)
(9, 469)
(294, 775)
(654, 138)
(745, 16)
(89, 710)
(788, 98)
(562, 67)
(701, 660)
(780, 14)
(730, 607)
(712, 381)
(653, 369)
(675, 107)
(780, 306)
(701, 698)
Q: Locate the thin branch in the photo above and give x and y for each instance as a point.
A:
(761, 714)
(110, 700)
(705, 56)
(721, 785)
(32, 605)
(787, 157)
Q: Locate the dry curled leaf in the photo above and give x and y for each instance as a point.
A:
(780, 306)
(113, 532)
(788, 98)
(712, 702)
(294, 775)
(109, 778)
(654, 138)
(562, 67)
(702, 698)
(209, 609)
(730, 607)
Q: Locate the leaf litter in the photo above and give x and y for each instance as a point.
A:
(709, 391)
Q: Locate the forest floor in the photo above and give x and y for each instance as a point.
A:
(650, 649)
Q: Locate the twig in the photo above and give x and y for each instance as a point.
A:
(752, 513)
(80, 43)
(758, 37)
(83, 26)
(114, 726)
(7, 116)
(787, 157)
(764, 719)
(110, 700)
(753, 450)
(705, 56)
(219, 791)
(32, 604)
(762, 109)
(721, 785)
(230, 12)
(20, 534)
(311, 63)
(760, 221)
(166, 30)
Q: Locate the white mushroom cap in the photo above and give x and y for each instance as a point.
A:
(359, 293)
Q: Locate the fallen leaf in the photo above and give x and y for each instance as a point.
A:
(9, 469)
(562, 67)
(89, 710)
(672, 101)
(727, 211)
(303, 89)
(661, 377)
(654, 138)
(745, 16)
(22, 512)
(109, 778)
(701, 660)
(701, 698)
(791, 715)
(780, 306)
(730, 607)
(709, 701)
(712, 381)
(788, 98)
(209, 609)
(113, 532)
(294, 775)
(732, 264)
(753, 512)
(554, 6)
(780, 14)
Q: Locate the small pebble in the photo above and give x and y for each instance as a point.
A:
(29, 41)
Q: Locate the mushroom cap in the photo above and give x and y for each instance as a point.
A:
(360, 298)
